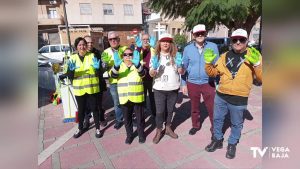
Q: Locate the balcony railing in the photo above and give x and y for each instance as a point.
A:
(47, 19)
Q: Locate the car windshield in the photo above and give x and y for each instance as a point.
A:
(44, 49)
(216, 41)
(65, 48)
(55, 49)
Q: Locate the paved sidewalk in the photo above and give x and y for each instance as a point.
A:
(58, 149)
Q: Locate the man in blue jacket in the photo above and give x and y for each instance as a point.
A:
(195, 81)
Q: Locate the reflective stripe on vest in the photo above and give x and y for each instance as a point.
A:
(85, 79)
(130, 94)
(85, 86)
(130, 85)
(85, 76)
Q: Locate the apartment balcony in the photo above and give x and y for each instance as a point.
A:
(50, 20)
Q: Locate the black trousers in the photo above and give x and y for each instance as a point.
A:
(93, 102)
(128, 109)
(88, 110)
(148, 88)
(164, 101)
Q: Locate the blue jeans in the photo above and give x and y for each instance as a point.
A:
(221, 108)
(114, 93)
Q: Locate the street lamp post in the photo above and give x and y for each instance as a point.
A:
(66, 23)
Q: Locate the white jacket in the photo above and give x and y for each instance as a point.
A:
(167, 77)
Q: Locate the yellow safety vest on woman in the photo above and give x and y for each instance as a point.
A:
(130, 85)
(85, 79)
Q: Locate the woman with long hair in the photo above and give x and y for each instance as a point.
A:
(164, 69)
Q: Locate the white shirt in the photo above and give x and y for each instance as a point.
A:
(167, 77)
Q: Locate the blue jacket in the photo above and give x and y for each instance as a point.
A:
(194, 64)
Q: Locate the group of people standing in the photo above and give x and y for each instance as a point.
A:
(158, 70)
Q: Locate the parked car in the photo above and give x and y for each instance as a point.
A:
(44, 61)
(56, 52)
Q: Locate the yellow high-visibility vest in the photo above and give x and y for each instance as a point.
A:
(85, 79)
(109, 52)
(130, 85)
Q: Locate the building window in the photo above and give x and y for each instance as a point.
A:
(173, 31)
(52, 2)
(85, 9)
(108, 9)
(52, 13)
(178, 31)
(128, 10)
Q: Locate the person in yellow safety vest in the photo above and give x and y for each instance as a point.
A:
(83, 69)
(108, 62)
(129, 73)
(102, 84)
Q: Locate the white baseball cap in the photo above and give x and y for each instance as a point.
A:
(165, 36)
(199, 28)
(239, 33)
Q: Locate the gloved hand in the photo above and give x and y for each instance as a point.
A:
(136, 58)
(155, 63)
(72, 65)
(138, 41)
(152, 41)
(96, 63)
(117, 59)
(178, 60)
(209, 55)
(253, 57)
(106, 58)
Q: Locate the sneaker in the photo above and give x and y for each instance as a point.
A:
(128, 140)
(118, 125)
(142, 140)
(103, 123)
(78, 133)
(193, 131)
(98, 133)
(231, 149)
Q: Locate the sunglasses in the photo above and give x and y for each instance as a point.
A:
(242, 40)
(128, 54)
(200, 34)
(115, 39)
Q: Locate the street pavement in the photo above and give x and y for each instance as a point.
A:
(58, 149)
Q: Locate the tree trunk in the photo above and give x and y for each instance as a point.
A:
(250, 22)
